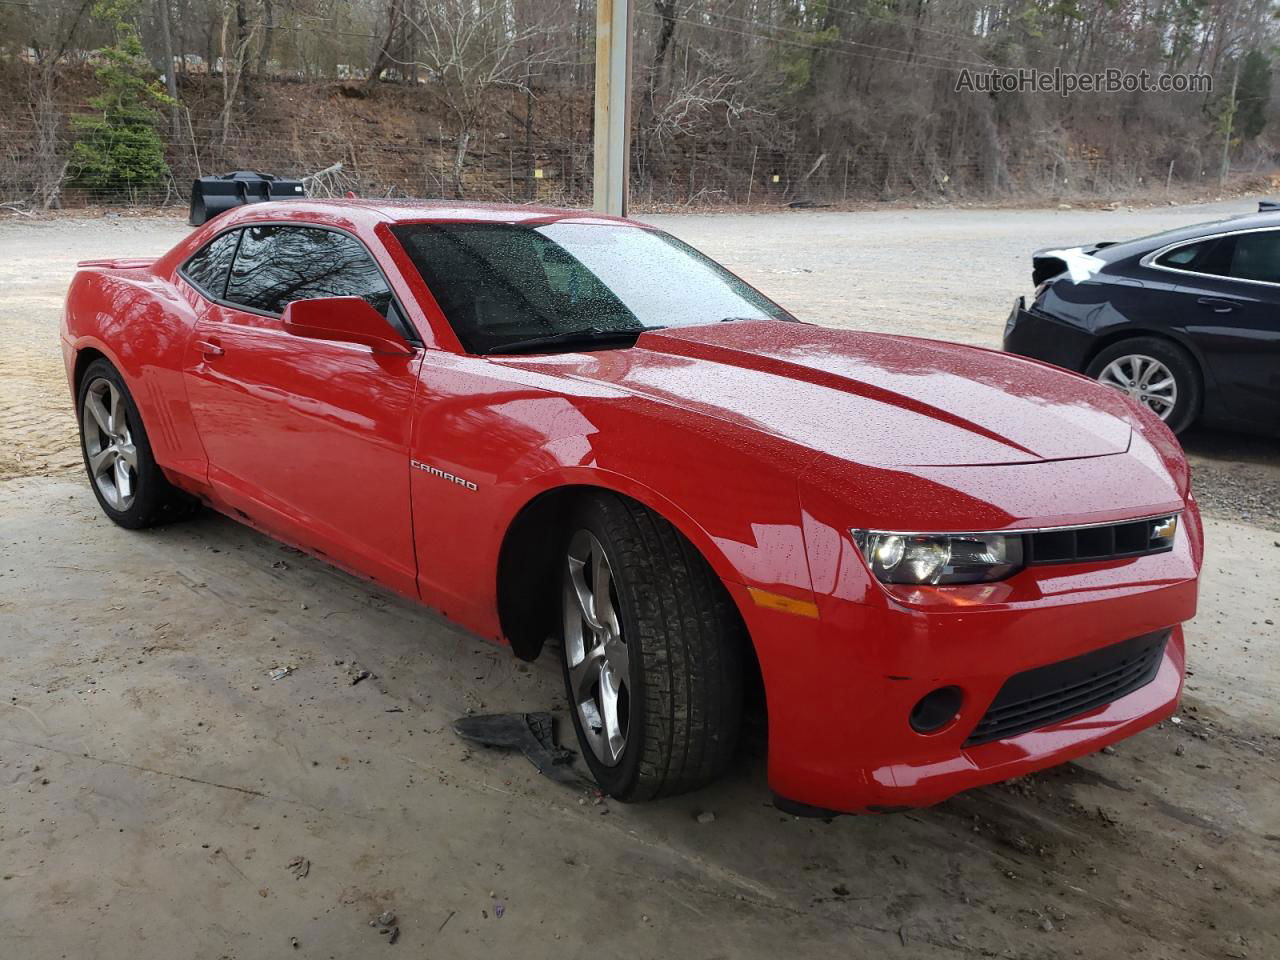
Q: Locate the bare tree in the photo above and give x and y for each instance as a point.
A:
(470, 48)
(170, 69)
(234, 59)
(383, 58)
(52, 37)
(268, 37)
(727, 91)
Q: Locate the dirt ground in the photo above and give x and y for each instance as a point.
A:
(155, 783)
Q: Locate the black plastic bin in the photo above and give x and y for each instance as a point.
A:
(211, 195)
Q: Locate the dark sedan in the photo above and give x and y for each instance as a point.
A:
(1187, 322)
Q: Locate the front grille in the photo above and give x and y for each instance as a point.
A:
(1046, 695)
(1112, 541)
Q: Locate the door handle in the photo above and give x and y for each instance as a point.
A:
(209, 348)
(1217, 304)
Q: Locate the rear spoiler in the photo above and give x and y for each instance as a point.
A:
(1049, 263)
(118, 263)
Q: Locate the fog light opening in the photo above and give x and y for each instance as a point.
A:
(936, 710)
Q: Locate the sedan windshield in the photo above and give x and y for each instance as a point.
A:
(570, 285)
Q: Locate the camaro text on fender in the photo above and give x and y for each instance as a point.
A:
(437, 472)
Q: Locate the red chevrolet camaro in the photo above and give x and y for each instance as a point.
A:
(944, 565)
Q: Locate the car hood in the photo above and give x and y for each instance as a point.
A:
(879, 400)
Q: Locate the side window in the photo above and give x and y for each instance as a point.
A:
(207, 270)
(276, 265)
(1184, 257)
(1240, 256)
(1256, 256)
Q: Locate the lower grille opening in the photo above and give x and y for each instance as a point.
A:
(1059, 691)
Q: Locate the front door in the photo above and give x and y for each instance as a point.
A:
(307, 438)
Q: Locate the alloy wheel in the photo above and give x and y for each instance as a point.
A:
(108, 444)
(1145, 379)
(595, 650)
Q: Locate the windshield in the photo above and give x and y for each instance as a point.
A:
(510, 284)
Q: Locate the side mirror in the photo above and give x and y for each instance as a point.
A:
(344, 320)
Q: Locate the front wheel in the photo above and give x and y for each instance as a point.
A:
(1158, 374)
(652, 655)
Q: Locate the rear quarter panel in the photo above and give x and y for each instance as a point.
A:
(141, 323)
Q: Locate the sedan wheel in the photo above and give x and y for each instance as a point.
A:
(1157, 373)
(597, 655)
(108, 444)
(1145, 379)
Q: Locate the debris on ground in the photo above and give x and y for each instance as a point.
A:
(293, 942)
(533, 734)
(706, 816)
(356, 673)
(299, 867)
(279, 673)
(499, 909)
(387, 926)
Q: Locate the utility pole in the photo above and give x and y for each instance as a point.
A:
(613, 107)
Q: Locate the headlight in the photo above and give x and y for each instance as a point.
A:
(939, 558)
(1163, 530)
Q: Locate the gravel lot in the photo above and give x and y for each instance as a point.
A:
(155, 784)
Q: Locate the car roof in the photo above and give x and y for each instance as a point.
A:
(1144, 245)
(367, 212)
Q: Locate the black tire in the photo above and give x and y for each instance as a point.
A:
(1181, 365)
(685, 644)
(153, 499)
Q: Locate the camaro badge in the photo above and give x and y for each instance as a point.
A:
(437, 472)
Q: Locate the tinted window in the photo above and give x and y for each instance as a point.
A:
(207, 270)
(500, 283)
(1183, 257)
(276, 265)
(1255, 256)
(1242, 256)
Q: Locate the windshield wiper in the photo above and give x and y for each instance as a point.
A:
(583, 335)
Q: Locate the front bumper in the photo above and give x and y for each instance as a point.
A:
(1031, 333)
(841, 688)
(928, 780)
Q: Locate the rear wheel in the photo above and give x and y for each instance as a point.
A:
(652, 655)
(1158, 374)
(129, 485)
